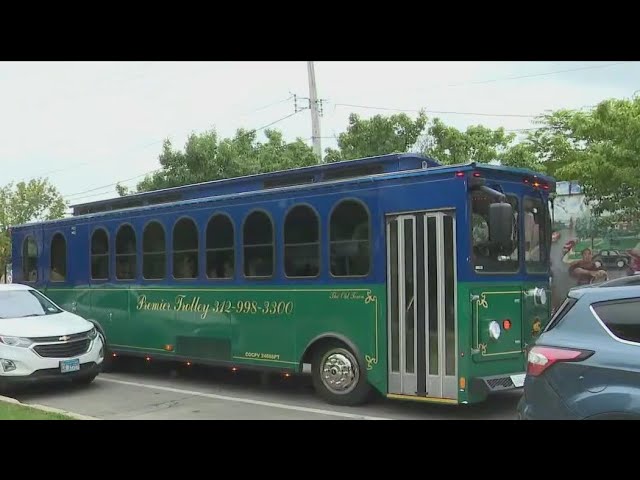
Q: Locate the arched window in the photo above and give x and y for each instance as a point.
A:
(30, 259)
(100, 255)
(126, 253)
(302, 243)
(220, 252)
(58, 265)
(185, 249)
(153, 252)
(258, 245)
(349, 232)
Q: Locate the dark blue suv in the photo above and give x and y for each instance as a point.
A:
(586, 363)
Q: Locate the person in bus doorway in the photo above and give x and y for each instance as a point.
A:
(585, 270)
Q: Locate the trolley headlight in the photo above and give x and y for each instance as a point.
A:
(540, 296)
(494, 330)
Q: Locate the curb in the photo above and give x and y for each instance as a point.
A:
(75, 416)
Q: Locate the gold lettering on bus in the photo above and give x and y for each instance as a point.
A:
(143, 304)
(348, 295)
(195, 305)
(185, 303)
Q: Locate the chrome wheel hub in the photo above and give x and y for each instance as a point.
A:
(339, 371)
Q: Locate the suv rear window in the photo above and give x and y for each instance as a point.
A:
(567, 305)
(621, 318)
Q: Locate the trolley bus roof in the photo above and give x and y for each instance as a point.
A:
(431, 167)
(312, 174)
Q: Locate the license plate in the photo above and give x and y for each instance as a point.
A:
(518, 380)
(67, 366)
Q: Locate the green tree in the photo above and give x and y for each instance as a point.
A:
(23, 202)
(477, 143)
(550, 146)
(599, 149)
(522, 155)
(606, 159)
(206, 157)
(378, 135)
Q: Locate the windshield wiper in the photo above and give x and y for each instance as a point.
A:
(33, 315)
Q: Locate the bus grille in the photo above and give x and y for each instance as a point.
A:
(500, 383)
(63, 350)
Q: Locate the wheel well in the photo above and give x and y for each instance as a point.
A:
(322, 341)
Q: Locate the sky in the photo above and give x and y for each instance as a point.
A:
(88, 125)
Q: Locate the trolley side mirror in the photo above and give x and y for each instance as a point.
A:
(501, 224)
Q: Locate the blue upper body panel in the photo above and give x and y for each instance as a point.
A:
(430, 187)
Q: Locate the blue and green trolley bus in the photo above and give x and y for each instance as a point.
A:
(391, 274)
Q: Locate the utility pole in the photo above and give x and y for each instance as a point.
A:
(315, 115)
(315, 106)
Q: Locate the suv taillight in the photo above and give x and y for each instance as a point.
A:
(541, 358)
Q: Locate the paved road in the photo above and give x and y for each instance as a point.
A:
(140, 391)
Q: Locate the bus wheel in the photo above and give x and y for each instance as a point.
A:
(337, 375)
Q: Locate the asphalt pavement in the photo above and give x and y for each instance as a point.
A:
(139, 391)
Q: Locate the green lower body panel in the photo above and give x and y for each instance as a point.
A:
(490, 364)
(278, 327)
(267, 327)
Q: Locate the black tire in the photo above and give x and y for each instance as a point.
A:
(351, 386)
(4, 388)
(107, 363)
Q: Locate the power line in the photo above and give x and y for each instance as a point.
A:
(159, 169)
(64, 169)
(365, 107)
(112, 184)
(519, 77)
(277, 102)
(141, 147)
(436, 111)
(272, 123)
(51, 172)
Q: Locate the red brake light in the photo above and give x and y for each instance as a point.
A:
(541, 358)
(536, 183)
(506, 324)
(474, 174)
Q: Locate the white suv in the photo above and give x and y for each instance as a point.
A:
(39, 341)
